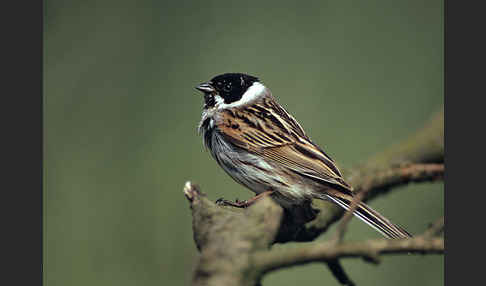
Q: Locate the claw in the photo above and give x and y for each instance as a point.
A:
(237, 203)
(242, 204)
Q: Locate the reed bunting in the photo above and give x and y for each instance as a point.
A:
(261, 146)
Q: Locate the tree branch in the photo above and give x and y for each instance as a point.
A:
(226, 237)
(380, 174)
(338, 271)
(435, 229)
(327, 251)
(381, 182)
(234, 243)
(386, 180)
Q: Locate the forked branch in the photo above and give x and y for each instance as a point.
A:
(328, 251)
(235, 243)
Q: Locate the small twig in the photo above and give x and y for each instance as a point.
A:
(342, 227)
(191, 191)
(338, 272)
(435, 228)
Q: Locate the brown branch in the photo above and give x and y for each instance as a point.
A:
(226, 236)
(341, 230)
(386, 180)
(338, 271)
(435, 229)
(234, 243)
(377, 175)
(328, 251)
(368, 185)
(382, 181)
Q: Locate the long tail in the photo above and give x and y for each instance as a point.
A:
(371, 218)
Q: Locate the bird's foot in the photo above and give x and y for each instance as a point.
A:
(237, 203)
(242, 204)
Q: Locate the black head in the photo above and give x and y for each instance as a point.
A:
(230, 86)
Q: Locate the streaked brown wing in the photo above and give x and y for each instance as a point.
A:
(305, 160)
(267, 129)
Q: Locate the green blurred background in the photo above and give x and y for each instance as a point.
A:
(121, 112)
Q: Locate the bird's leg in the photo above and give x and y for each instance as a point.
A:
(243, 204)
(257, 197)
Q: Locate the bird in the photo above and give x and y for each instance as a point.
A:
(264, 148)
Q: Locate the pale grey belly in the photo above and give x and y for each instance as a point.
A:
(258, 175)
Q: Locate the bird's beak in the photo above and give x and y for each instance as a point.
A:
(205, 87)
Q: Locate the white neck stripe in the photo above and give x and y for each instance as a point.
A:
(255, 91)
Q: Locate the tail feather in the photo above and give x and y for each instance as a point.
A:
(372, 218)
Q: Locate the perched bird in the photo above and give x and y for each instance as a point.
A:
(261, 146)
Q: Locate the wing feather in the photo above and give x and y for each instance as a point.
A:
(265, 128)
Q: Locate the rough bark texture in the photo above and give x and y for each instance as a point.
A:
(235, 243)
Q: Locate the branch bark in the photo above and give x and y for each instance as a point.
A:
(234, 243)
(226, 236)
(328, 251)
(387, 180)
(382, 172)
